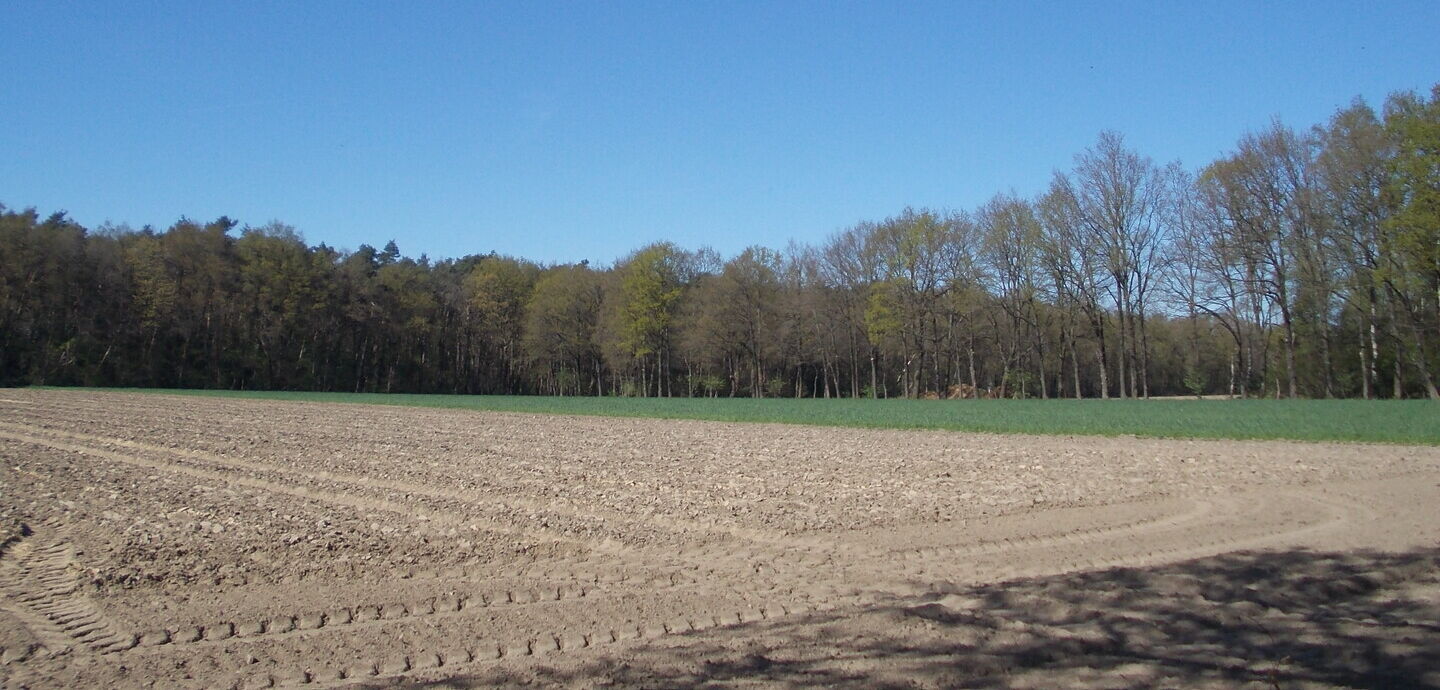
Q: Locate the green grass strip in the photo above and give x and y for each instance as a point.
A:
(1374, 421)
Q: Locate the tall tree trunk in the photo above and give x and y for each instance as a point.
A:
(1040, 353)
(1121, 349)
(1144, 357)
(1233, 364)
(1421, 362)
(970, 353)
(1075, 367)
(1397, 380)
(874, 381)
(1291, 380)
(1327, 373)
(1371, 372)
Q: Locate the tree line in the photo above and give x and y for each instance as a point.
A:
(1303, 263)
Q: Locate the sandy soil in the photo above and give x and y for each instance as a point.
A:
(153, 541)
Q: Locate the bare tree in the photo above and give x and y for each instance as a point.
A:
(1117, 200)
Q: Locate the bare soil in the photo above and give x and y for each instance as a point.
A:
(157, 541)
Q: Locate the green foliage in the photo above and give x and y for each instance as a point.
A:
(1194, 380)
(883, 322)
(1018, 382)
(651, 289)
(155, 292)
(1305, 263)
(710, 385)
(1413, 230)
(775, 387)
(498, 288)
(561, 318)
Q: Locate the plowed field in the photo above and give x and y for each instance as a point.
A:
(158, 541)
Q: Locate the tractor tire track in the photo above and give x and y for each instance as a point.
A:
(418, 613)
(41, 587)
(594, 519)
(339, 498)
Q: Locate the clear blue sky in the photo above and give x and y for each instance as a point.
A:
(562, 131)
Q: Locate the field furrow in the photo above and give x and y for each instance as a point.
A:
(203, 542)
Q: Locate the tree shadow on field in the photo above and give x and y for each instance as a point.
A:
(1264, 620)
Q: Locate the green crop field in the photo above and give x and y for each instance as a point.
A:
(1387, 421)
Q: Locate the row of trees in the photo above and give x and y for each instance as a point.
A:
(1303, 263)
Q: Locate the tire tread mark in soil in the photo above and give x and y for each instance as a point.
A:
(746, 605)
(1198, 510)
(553, 506)
(41, 590)
(563, 641)
(801, 554)
(355, 617)
(342, 499)
(818, 599)
(338, 498)
(1127, 543)
(1337, 515)
(224, 630)
(437, 655)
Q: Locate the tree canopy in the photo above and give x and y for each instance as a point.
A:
(1304, 262)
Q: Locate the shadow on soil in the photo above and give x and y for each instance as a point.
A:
(1266, 620)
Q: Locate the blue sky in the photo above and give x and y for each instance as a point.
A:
(564, 131)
